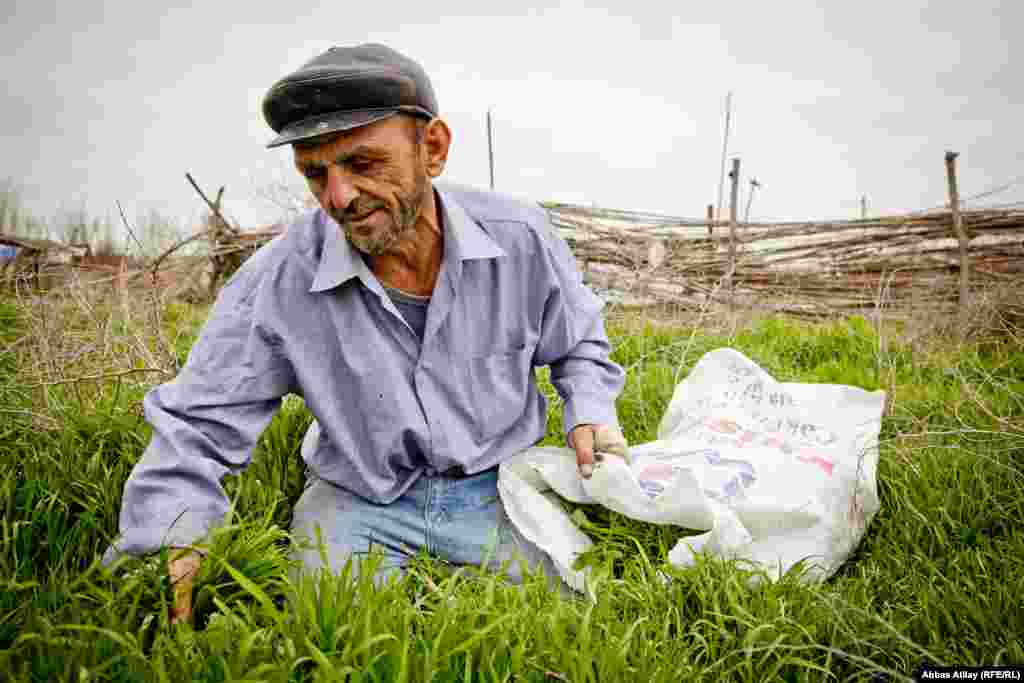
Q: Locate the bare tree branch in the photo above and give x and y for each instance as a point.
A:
(213, 207)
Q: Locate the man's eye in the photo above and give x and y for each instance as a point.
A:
(361, 166)
(314, 173)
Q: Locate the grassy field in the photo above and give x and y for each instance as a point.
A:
(938, 578)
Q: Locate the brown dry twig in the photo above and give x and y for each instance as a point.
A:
(40, 418)
(213, 207)
(89, 378)
(178, 245)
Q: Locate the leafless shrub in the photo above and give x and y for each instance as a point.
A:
(994, 316)
(92, 340)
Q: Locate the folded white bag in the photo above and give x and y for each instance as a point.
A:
(774, 472)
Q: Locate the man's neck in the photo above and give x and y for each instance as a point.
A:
(414, 265)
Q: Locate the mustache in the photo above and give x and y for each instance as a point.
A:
(361, 210)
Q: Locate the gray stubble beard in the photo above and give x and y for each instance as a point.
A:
(403, 225)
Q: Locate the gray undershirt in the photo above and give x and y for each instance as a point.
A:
(412, 307)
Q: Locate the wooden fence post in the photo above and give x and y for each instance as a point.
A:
(734, 175)
(712, 250)
(490, 147)
(750, 199)
(958, 228)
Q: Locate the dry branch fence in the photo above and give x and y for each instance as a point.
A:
(919, 261)
(811, 268)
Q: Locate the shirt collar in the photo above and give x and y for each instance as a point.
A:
(340, 261)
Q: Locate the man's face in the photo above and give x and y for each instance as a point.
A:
(371, 180)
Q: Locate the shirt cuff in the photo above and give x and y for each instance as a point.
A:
(584, 409)
(183, 532)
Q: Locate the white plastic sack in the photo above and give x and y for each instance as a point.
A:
(775, 472)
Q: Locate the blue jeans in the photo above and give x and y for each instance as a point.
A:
(460, 520)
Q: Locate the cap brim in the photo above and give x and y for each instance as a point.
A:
(333, 123)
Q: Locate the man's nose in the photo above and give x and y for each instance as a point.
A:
(339, 190)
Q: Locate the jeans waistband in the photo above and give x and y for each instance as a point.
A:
(457, 472)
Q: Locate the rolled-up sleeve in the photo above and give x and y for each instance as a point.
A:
(573, 342)
(206, 423)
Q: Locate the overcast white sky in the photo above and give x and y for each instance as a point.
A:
(616, 104)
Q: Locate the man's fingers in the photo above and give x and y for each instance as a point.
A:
(181, 572)
(583, 443)
(181, 608)
(609, 439)
(591, 440)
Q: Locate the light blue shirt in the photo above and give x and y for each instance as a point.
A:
(305, 315)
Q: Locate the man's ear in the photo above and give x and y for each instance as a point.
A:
(437, 139)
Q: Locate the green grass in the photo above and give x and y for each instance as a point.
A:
(938, 577)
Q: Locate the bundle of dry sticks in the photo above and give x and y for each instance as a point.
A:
(802, 267)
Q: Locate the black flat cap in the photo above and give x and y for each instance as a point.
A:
(344, 88)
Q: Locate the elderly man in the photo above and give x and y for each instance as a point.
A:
(410, 318)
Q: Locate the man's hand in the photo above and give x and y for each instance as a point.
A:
(182, 569)
(587, 439)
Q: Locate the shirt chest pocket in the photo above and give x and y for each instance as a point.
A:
(499, 387)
